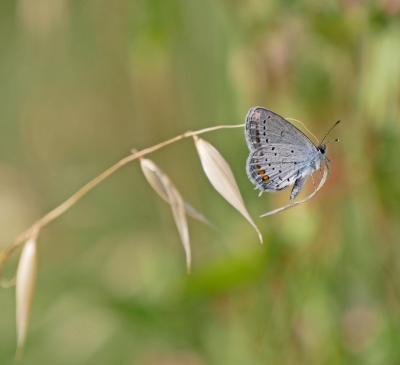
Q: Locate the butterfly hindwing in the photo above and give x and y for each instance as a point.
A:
(276, 166)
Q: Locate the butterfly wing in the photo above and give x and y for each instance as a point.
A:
(277, 166)
(263, 127)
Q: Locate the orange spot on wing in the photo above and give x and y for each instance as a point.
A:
(262, 173)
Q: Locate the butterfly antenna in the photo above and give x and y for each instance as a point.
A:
(304, 126)
(336, 140)
(329, 131)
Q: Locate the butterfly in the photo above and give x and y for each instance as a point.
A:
(280, 154)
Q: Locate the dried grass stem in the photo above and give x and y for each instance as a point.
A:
(77, 196)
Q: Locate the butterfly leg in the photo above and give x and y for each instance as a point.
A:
(298, 185)
(313, 181)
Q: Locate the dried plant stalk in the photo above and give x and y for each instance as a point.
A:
(221, 178)
(25, 288)
(76, 197)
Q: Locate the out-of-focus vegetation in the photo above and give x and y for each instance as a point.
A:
(83, 82)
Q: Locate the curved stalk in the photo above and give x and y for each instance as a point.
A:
(85, 189)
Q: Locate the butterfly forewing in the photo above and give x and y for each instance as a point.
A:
(264, 127)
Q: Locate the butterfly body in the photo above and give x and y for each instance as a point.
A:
(280, 154)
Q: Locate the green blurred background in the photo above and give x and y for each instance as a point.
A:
(83, 82)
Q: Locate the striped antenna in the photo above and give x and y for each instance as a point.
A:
(329, 131)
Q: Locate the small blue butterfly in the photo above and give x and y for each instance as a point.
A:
(280, 154)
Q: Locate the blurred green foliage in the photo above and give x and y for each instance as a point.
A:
(83, 82)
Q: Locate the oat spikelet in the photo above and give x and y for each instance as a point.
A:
(178, 211)
(221, 178)
(167, 190)
(25, 288)
(153, 175)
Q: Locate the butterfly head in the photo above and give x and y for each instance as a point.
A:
(322, 148)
